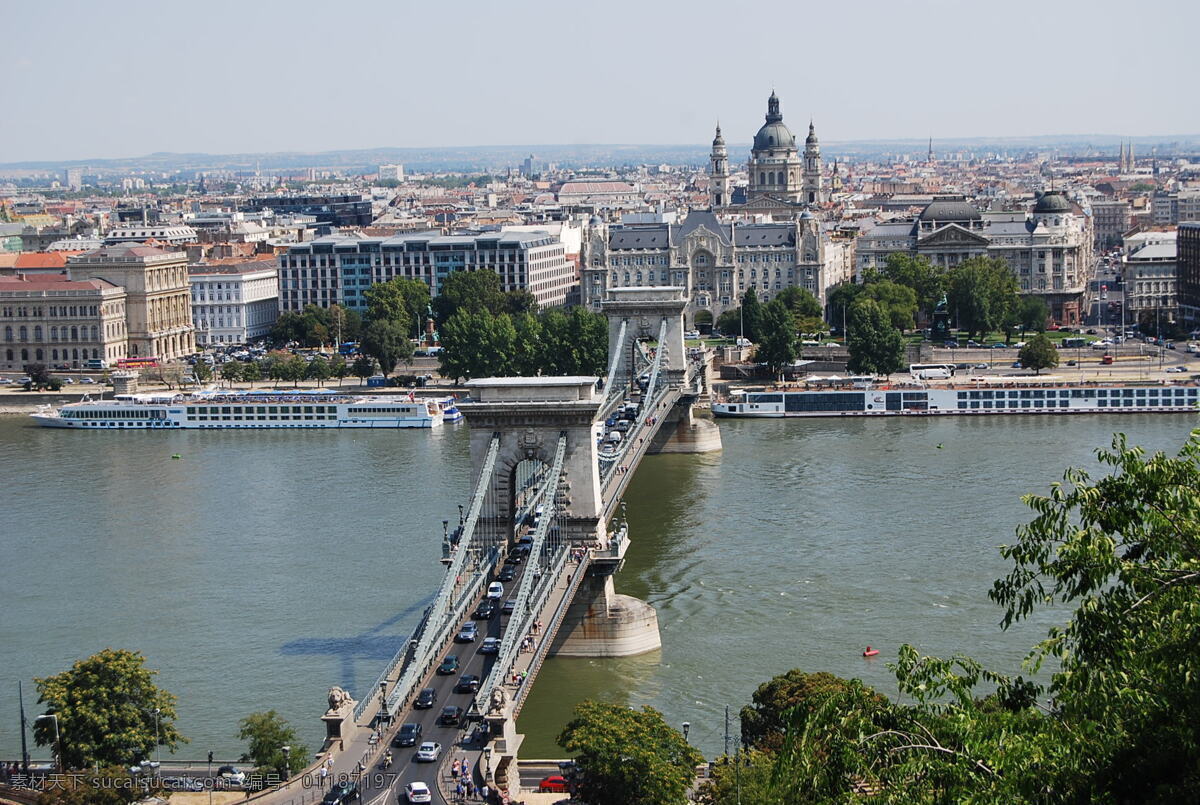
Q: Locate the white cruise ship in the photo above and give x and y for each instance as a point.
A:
(225, 410)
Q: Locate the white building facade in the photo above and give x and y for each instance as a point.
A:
(234, 304)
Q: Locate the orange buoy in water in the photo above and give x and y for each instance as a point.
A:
(870, 652)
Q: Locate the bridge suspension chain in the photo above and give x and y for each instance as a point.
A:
(531, 593)
(454, 593)
(654, 392)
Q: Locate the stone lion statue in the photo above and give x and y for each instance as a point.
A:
(338, 698)
(498, 701)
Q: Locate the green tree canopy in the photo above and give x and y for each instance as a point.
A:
(751, 315)
(519, 301)
(338, 368)
(1038, 354)
(400, 300)
(364, 367)
(387, 342)
(927, 281)
(318, 370)
(982, 294)
(231, 371)
(527, 344)
(266, 733)
(765, 720)
(477, 344)
(898, 302)
(629, 756)
(472, 291)
(801, 303)
(777, 345)
(838, 302)
(875, 345)
(106, 708)
(202, 371)
(1032, 313)
(252, 373)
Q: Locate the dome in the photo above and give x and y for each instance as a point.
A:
(1052, 201)
(774, 135)
(943, 209)
(806, 215)
(811, 139)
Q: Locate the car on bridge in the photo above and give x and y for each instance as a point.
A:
(409, 735)
(507, 573)
(491, 645)
(486, 610)
(428, 752)
(468, 632)
(495, 591)
(417, 791)
(449, 665)
(509, 606)
(450, 716)
(467, 683)
(425, 699)
(341, 793)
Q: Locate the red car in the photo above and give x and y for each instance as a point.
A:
(555, 783)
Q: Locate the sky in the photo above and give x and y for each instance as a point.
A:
(94, 80)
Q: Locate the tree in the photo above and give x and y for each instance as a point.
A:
(527, 346)
(926, 280)
(519, 301)
(982, 294)
(875, 346)
(252, 373)
(107, 708)
(231, 372)
(39, 375)
(801, 303)
(1032, 313)
(472, 291)
(1123, 550)
(477, 344)
(765, 720)
(387, 342)
(275, 365)
(318, 370)
(267, 732)
(294, 369)
(839, 300)
(401, 300)
(777, 337)
(898, 302)
(364, 367)
(112, 785)
(751, 315)
(339, 368)
(730, 322)
(628, 755)
(202, 370)
(589, 340)
(1038, 354)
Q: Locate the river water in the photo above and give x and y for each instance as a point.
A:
(262, 567)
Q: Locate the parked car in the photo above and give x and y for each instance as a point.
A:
(491, 645)
(1176, 369)
(428, 752)
(1071, 363)
(409, 735)
(1016, 365)
(555, 783)
(417, 791)
(87, 380)
(450, 715)
(425, 699)
(449, 665)
(467, 633)
(70, 381)
(467, 683)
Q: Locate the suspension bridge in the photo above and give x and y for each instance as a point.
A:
(548, 483)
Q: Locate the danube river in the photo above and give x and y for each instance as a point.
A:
(261, 567)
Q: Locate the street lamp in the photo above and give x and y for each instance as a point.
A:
(687, 725)
(57, 738)
(156, 742)
(287, 769)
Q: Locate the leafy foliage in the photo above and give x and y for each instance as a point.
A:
(106, 706)
(927, 281)
(1032, 313)
(628, 755)
(400, 300)
(387, 342)
(875, 345)
(1039, 353)
(316, 326)
(267, 733)
(112, 785)
(752, 315)
(777, 345)
(898, 302)
(364, 367)
(982, 294)
(557, 342)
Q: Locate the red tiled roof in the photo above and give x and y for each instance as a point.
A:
(41, 260)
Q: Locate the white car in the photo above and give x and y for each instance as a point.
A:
(418, 792)
(232, 775)
(495, 591)
(428, 752)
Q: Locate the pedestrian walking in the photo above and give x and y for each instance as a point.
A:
(454, 770)
(458, 791)
(484, 792)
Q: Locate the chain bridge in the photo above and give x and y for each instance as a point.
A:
(541, 538)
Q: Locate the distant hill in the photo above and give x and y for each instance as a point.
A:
(485, 158)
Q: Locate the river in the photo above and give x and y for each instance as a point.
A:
(261, 567)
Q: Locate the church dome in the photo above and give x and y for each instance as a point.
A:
(1051, 202)
(774, 135)
(950, 209)
(811, 139)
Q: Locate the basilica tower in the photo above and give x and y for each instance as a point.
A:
(812, 191)
(718, 172)
(774, 161)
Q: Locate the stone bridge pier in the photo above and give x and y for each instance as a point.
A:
(529, 414)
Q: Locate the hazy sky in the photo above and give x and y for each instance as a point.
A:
(87, 80)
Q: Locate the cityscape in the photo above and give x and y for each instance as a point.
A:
(718, 430)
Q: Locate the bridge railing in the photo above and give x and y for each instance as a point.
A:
(656, 388)
(452, 596)
(510, 642)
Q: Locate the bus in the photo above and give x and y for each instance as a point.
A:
(931, 371)
(1073, 343)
